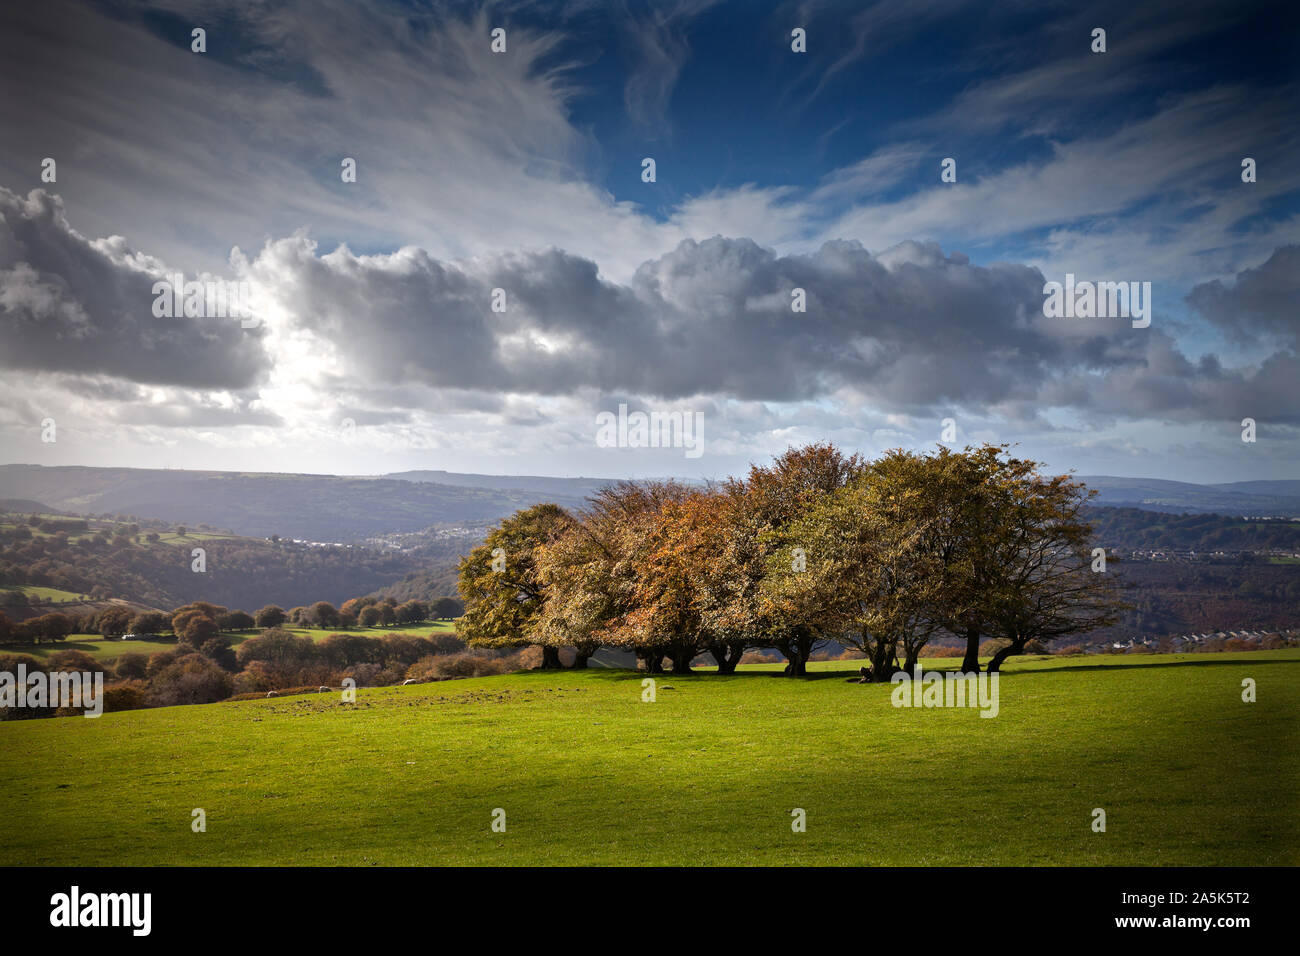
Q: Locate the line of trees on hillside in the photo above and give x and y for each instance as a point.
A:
(201, 621)
(1141, 529)
(204, 665)
(882, 556)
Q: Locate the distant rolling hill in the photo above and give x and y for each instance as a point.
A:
(25, 505)
(1270, 498)
(310, 507)
(1285, 488)
(350, 508)
(569, 492)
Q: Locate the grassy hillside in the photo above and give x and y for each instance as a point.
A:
(708, 774)
(153, 567)
(37, 596)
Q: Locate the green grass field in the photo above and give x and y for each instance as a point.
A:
(97, 647)
(33, 594)
(171, 537)
(708, 774)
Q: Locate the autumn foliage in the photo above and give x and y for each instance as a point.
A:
(879, 556)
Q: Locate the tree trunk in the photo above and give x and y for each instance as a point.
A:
(793, 649)
(681, 661)
(551, 658)
(727, 656)
(1015, 647)
(580, 661)
(797, 650)
(653, 661)
(882, 662)
(971, 662)
(798, 659)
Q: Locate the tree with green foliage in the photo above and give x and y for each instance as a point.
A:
(270, 616)
(761, 511)
(151, 623)
(324, 614)
(113, 621)
(236, 621)
(1039, 584)
(412, 612)
(51, 627)
(282, 652)
(219, 651)
(447, 608)
(198, 629)
(866, 569)
(503, 593)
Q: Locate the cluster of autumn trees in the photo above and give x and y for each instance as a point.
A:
(881, 556)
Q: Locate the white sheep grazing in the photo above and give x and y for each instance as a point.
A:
(409, 680)
(270, 693)
(322, 690)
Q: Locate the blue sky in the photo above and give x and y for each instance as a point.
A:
(522, 171)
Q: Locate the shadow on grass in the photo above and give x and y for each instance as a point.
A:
(1131, 665)
(88, 645)
(1208, 660)
(625, 674)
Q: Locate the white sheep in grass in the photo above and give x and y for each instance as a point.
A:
(270, 693)
(322, 690)
(409, 680)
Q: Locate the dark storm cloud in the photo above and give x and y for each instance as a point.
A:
(1263, 302)
(1164, 384)
(710, 317)
(908, 329)
(68, 304)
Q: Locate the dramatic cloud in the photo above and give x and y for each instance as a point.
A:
(1261, 303)
(520, 171)
(909, 329)
(712, 317)
(70, 304)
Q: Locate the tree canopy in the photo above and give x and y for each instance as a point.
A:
(880, 556)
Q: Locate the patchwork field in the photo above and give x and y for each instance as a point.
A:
(709, 773)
